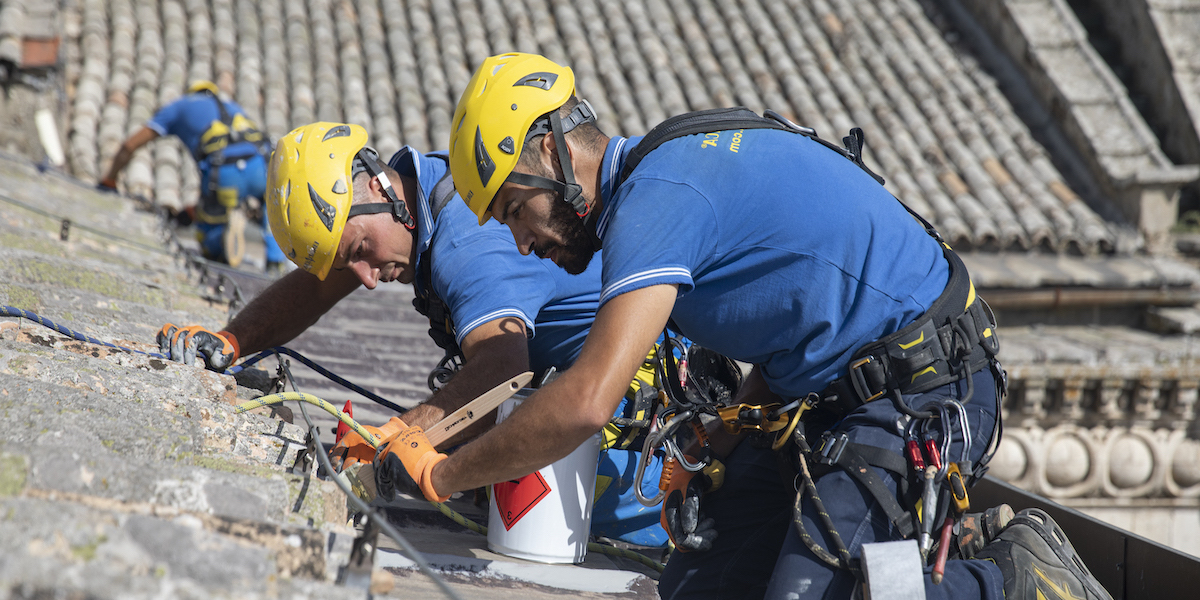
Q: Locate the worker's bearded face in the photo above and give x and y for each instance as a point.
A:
(575, 250)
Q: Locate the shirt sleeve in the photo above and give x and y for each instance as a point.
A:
(482, 276)
(162, 120)
(662, 232)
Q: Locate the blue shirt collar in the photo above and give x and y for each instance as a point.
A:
(610, 171)
(410, 163)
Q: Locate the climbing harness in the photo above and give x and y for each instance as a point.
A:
(954, 339)
(227, 131)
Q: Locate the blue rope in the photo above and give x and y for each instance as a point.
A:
(12, 311)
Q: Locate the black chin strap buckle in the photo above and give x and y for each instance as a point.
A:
(367, 160)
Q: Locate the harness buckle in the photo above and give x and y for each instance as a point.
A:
(829, 450)
(859, 381)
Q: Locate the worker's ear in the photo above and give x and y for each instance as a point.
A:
(550, 149)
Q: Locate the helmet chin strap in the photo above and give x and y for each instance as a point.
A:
(567, 189)
(369, 161)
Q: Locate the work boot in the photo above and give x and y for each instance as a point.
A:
(976, 530)
(1038, 562)
(233, 240)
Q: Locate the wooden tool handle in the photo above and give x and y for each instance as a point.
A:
(475, 409)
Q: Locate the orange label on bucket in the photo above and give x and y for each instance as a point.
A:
(517, 497)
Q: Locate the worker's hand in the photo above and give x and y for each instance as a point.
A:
(416, 458)
(391, 477)
(353, 449)
(681, 515)
(182, 344)
(107, 185)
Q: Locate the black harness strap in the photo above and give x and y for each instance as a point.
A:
(857, 460)
(429, 304)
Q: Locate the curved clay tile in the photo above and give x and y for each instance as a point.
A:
(353, 92)
(708, 70)
(380, 93)
(299, 63)
(276, 66)
(431, 80)
(327, 69)
(588, 83)
(410, 101)
(626, 118)
(249, 72)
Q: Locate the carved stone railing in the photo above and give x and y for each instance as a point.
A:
(1075, 432)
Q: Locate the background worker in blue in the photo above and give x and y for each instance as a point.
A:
(509, 314)
(231, 154)
(763, 245)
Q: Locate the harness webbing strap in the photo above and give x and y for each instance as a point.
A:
(856, 460)
(704, 121)
(425, 299)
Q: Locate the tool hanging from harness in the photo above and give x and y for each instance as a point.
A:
(430, 305)
(953, 339)
(222, 134)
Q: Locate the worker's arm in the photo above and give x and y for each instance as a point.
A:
(559, 417)
(274, 317)
(140, 138)
(288, 307)
(493, 352)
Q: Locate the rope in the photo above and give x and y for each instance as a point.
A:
(12, 311)
(319, 369)
(375, 517)
(311, 399)
(74, 225)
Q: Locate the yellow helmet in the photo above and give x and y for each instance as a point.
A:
(202, 85)
(507, 96)
(310, 189)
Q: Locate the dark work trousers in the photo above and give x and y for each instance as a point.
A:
(758, 553)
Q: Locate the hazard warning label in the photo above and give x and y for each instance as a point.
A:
(517, 497)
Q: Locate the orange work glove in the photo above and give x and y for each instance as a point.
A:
(353, 449)
(220, 349)
(416, 457)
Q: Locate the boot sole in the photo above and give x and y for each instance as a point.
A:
(234, 239)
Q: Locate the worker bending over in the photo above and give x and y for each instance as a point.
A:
(764, 244)
(347, 220)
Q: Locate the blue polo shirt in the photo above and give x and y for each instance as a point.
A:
(481, 275)
(787, 255)
(190, 116)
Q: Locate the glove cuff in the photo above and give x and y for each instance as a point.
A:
(233, 341)
(424, 469)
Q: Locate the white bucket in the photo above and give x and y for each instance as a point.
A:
(547, 515)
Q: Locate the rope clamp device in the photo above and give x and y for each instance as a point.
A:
(759, 417)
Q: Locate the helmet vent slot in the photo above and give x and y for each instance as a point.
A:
(541, 80)
(483, 161)
(336, 132)
(325, 211)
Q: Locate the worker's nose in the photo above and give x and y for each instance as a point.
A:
(368, 275)
(523, 237)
